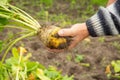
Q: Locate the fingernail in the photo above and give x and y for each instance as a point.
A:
(61, 32)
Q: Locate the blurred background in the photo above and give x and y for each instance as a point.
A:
(60, 12)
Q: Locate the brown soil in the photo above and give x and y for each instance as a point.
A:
(98, 54)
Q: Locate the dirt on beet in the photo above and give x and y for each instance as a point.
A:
(97, 52)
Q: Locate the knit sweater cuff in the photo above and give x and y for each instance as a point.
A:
(101, 24)
(94, 26)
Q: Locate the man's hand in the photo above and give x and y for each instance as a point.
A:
(78, 32)
(110, 2)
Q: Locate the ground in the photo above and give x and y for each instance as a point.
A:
(98, 52)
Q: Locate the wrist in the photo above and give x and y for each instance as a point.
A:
(85, 30)
(110, 2)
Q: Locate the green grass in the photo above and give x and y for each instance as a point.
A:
(99, 2)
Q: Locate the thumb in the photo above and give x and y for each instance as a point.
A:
(65, 32)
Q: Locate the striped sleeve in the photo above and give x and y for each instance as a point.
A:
(106, 21)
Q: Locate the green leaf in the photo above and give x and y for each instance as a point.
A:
(3, 21)
(1, 28)
(52, 73)
(79, 58)
(11, 61)
(47, 2)
(3, 72)
(31, 66)
(3, 2)
(98, 2)
(15, 52)
(41, 75)
(41, 66)
(116, 65)
(85, 64)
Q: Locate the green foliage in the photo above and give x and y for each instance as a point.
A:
(116, 44)
(79, 58)
(99, 2)
(1, 29)
(1, 45)
(3, 22)
(114, 72)
(67, 78)
(62, 19)
(56, 75)
(15, 52)
(47, 3)
(18, 19)
(116, 65)
(52, 73)
(3, 2)
(101, 39)
(85, 64)
(19, 67)
(43, 15)
(72, 4)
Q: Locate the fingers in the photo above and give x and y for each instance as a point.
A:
(56, 50)
(65, 32)
(74, 43)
